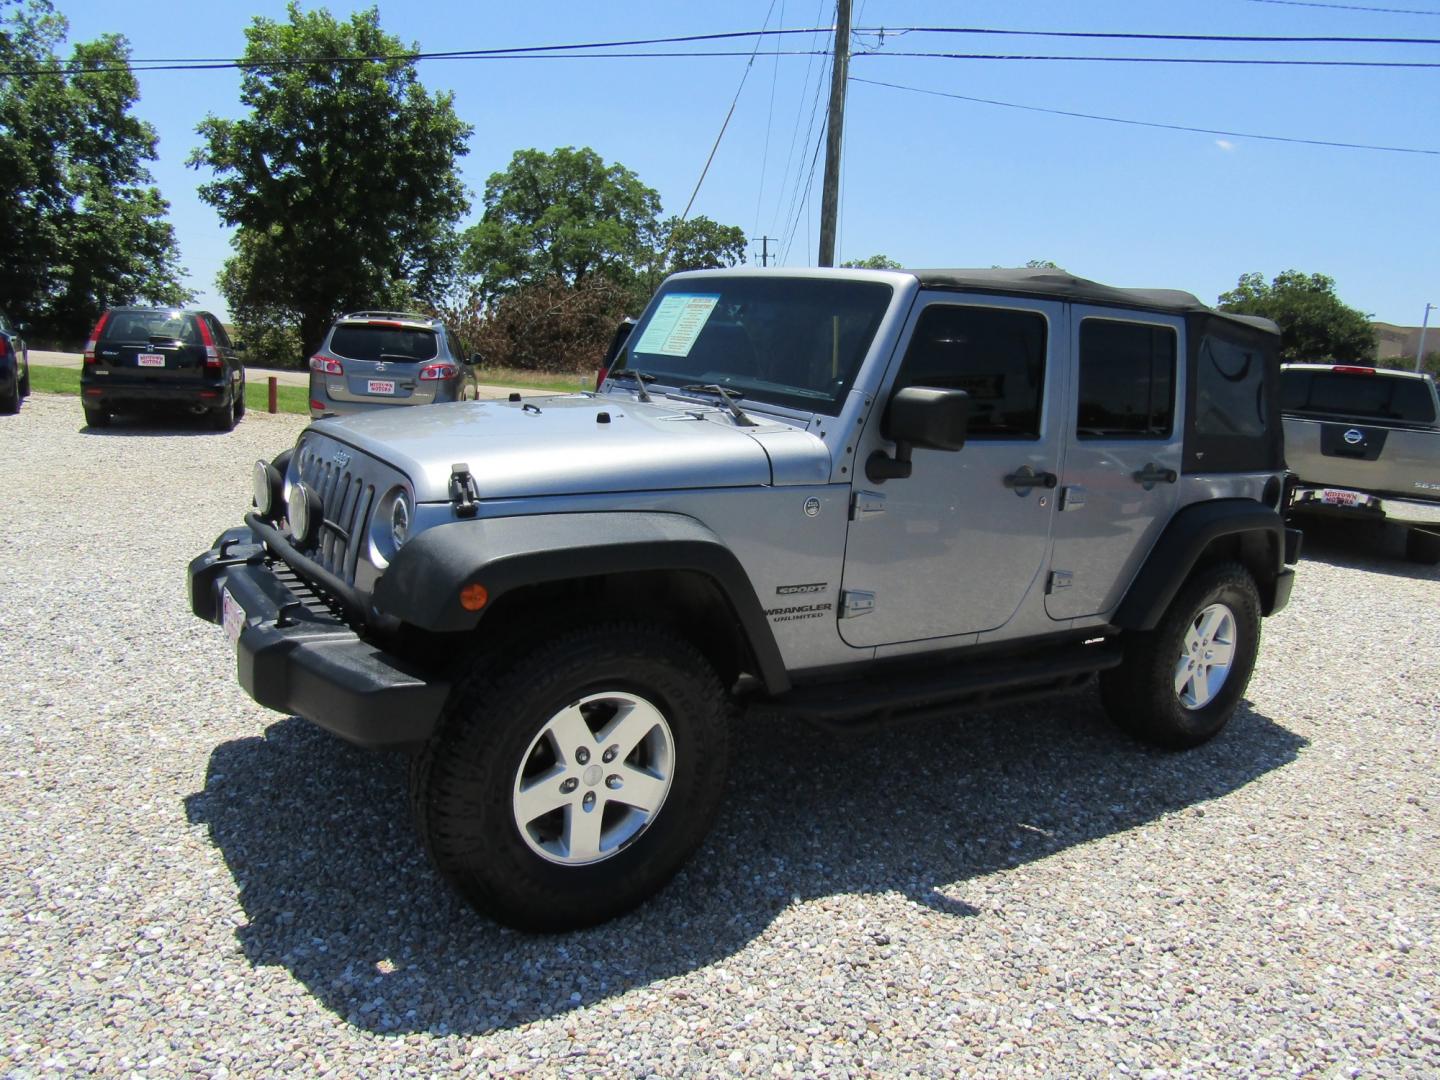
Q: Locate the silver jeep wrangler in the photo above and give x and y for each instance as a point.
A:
(847, 495)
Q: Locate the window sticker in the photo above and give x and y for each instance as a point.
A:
(676, 324)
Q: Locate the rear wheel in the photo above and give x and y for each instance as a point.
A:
(97, 416)
(10, 394)
(25, 382)
(1422, 547)
(566, 785)
(223, 418)
(240, 401)
(1180, 683)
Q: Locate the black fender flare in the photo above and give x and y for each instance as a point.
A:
(422, 585)
(1181, 546)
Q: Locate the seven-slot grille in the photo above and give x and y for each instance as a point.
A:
(347, 500)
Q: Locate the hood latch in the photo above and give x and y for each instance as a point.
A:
(463, 493)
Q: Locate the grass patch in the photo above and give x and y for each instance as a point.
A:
(535, 380)
(55, 380)
(288, 399)
(291, 399)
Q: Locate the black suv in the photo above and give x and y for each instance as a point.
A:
(14, 366)
(162, 359)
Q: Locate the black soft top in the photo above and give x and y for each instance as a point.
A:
(1058, 285)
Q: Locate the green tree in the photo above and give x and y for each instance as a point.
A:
(341, 181)
(564, 216)
(81, 223)
(874, 262)
(1315, 324)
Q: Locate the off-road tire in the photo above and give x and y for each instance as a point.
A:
(462, 782)
(1422, 547)
(96, 418)
(1140, 695)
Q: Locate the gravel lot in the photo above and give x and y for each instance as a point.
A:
(190, 884)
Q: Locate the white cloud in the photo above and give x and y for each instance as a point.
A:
(1225, 144)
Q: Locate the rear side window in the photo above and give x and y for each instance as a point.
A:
(1229, 388)
(1357, 394)
(996, 355)
(1127, 380)
(364, 341)
(126, 326)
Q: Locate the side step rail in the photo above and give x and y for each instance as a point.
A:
(911, 694)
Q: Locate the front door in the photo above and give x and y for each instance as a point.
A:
(955, 548)
(1119, 483)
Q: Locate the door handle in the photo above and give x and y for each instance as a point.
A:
(1153, 474)
(1025, 478)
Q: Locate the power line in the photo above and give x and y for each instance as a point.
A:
(733, 102)
(769, 125)
(1346, 7)
(1108, 35)
(1165, 60)
(213, 63)
(1149, 123)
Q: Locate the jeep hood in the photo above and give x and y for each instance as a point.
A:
(576, 444)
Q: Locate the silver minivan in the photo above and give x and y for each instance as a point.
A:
(374, 359)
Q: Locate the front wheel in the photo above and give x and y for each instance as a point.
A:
(564, 787)
(1179, 683)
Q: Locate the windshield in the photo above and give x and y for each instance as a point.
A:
(1370, 395)
(791, 341)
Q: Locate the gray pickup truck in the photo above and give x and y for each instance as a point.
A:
(1364, 444)
(849, 496)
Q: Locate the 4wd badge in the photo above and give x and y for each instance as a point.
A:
(812, 507)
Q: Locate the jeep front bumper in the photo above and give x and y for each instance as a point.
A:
(297, 658)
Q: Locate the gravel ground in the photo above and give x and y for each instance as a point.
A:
(190, 885)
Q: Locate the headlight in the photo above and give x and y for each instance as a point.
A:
(266, 483)
(399, 520)
(303, 511)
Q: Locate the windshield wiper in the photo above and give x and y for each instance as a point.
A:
(640, 378)
(730, 397)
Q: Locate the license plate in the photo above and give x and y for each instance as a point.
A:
(380, 386)
(232, 616)
(1339, 498)
(150, 359)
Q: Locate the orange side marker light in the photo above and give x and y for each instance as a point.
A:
(474, 597)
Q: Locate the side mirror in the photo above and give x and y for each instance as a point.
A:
(923, 416)
(23, 327)
(476, 360)
(239, 346)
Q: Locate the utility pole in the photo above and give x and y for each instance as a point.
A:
(839, 74)
(1420, 349)
(764, 249)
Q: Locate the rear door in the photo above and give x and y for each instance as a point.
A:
(163, 347)
(1119, 483)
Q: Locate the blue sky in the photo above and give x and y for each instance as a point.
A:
(928, 180)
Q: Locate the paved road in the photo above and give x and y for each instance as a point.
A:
(257, 375)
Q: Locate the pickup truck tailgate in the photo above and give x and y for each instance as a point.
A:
(1382, 460)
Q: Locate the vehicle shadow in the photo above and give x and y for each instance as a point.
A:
(1374, 546)
(336, 890)
(127, 425)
